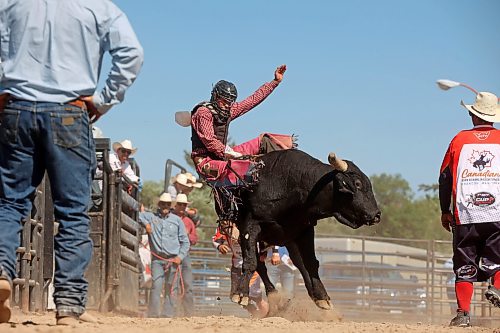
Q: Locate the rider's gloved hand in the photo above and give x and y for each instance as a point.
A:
(229, 153)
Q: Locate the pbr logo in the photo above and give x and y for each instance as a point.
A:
(467, 272)
(483, 199)
(482, 135)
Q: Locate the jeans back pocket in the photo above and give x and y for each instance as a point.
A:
(67, 127)
(9, 125)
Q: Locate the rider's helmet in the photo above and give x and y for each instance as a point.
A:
(224, 94)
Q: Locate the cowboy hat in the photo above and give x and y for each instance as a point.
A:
(192, 180)
(125, 144)
(485, 107)
(166, 197)
(182, 198)
(183, 180)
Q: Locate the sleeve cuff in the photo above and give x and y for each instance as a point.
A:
(274, 83)
(99, 104)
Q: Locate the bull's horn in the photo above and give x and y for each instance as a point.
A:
(337, 163)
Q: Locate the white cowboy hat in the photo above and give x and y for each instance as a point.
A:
(166, 197)
(192, 180)
(183, 180)
(126, 144)
(485, 107)
(182, 198)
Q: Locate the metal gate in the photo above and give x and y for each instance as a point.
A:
(113, 284)
(115, 233)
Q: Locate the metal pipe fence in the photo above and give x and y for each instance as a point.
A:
(368, 278)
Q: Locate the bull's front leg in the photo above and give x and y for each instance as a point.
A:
(309, 265)
(248, 241)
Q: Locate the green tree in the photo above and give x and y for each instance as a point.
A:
(151, 192)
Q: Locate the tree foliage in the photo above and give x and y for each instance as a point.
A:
(151, 192)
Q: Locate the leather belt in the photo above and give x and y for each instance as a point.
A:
(5, 98)
(79, 104)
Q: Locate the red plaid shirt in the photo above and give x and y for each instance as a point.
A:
(202, 120)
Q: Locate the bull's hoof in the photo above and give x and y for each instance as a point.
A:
(277, 303)
(235, 298)
(244, 301)
(323, 304)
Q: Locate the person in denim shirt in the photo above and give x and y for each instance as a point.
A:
(187, 304)
(51, 54)
(169, 244)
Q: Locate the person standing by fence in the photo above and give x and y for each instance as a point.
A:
(169, 245)
(51, 53)
(187, 303)
(470, 174)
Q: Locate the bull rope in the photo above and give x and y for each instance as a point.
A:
(177, 275)
(220, 192)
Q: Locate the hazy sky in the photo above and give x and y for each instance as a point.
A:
(360, 80)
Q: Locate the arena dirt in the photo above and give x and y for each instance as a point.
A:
(299, 318)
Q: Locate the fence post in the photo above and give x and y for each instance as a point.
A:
(433, 273)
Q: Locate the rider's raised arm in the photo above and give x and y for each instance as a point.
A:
(202, 123)
(240, 108)
(257, 97)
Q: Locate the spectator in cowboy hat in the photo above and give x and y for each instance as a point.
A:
(192, 180)
(187, 303)
(119, 160)
(181, 184)
(185, 183)
(169, 245)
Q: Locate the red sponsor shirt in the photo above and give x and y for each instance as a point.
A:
(473, 159)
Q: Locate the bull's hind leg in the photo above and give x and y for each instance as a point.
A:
(275, 299)
(248, 240)
(262, 270)
(309, 263)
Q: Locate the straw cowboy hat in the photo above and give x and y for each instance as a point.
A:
(166, 197)
(182, 198)
(183, 180)
(192, 180)
(485, 107)
(126, 144)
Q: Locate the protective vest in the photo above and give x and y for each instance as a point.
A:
(221, 126)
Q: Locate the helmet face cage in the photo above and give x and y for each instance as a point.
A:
(225, 90)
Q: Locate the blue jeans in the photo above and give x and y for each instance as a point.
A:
(281, 273)
(163, 282)
(35, 138)
(187, 276)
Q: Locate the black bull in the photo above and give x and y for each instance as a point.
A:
(294, 191)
